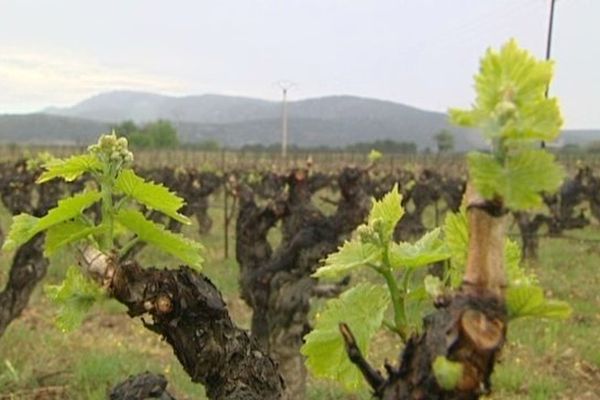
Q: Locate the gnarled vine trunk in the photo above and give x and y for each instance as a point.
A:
(278, 285)
(28, 268)
(188, 311)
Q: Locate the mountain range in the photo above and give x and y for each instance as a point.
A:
(235, 121)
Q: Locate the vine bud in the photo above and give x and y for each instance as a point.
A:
(506, 110)
(128, 157)
(122, 142)
(115, 156)
(107, 142)
(365, 233)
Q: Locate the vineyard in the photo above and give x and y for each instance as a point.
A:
(328, 276)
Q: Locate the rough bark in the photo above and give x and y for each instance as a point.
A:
(20, 194)
(142, 386)
(528, 228)
(278, 285)
(308, 237)
(28, 268)
(188, 311)
(253, 251)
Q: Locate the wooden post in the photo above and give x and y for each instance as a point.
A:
(225, 209)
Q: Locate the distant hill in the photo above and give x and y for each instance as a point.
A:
(235, 121)
(49, 129)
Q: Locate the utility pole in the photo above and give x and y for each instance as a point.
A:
(550, 26)
(549, 44)
(285, 86)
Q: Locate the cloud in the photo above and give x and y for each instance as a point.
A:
(32, 80)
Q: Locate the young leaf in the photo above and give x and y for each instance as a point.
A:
(25, 226)
(68, 232)
(386, 213)
(71, 168)
(75, 295)
(515, 273)
(155, 234)
(362, 309)
(520, 181)
(511, 97)
(152, 195)
(429, 249)
(529, 301)
(456, 235)
(447, 373)
(350, 255)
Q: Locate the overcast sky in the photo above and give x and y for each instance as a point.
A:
(418, 52)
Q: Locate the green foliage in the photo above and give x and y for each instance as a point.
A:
(125, 128)
(511, 97)
(155, 234)
(152, 195)
(447, 373)
(444, 141)
(386, 213)
(60, 235)
(520, 181)
(155, 135)
(456, 235)
(515, 273)
(427, 250)
(71, 168)
(513, 112)
(529, 301)
(75, 296)
(33, 163)
(372, 245)
(25, 226)
(107, 161)
(362, 309)
(350, 255)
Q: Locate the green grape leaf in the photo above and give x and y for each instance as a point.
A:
(529, 301)
(386, 213)
(68, 232)
(362, 309)
(429, 249)
(25, 226)
(511, 97)
(155, 234)
(456, 235)
(447, 373)
(20, 231)
(71, 168)
(152, 195)
(520, 182)
(515, 273)
(350, 255)
(75, 296)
